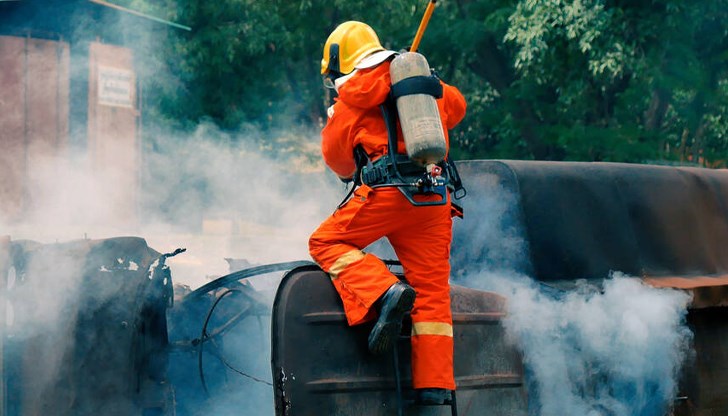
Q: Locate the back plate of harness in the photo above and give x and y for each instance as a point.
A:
(396, 170)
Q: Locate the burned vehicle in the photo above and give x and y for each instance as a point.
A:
(86, 329)
(273, 339)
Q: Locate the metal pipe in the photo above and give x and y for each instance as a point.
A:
(26, 126)
(423, 25)
(136, 13)
(4, 268)
(59, 65)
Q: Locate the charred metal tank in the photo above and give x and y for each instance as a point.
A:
(87, 330)
(581, 220)
(666, 226)
(322, 366)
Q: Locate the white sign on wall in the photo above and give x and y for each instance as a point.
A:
(115, 87)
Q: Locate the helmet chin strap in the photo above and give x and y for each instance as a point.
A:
(333, 70)
(334, 66)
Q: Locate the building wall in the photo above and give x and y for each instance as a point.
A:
(34, 122)
(112, 125)
(33, 114)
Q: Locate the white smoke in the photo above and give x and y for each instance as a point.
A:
(612, 349)
(38, 314)
(226, 198)
(615, 351)
(221, 194)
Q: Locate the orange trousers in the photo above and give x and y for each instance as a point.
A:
(421, 238)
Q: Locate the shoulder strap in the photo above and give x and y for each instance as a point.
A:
(389, 113)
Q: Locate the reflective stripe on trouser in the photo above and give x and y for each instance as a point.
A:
(421, 238)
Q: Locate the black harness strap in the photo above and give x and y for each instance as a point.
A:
(361, 159)
(422, 84)
(389, 113)
(414, 180)
(399, 171)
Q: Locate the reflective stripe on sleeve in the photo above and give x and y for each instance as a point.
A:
(342, 262)
(432, 328)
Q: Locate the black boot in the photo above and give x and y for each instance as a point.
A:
(395, 303)
(433, 396)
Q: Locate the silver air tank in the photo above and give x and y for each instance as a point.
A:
(418, 114)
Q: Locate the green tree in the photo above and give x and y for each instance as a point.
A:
(611, 80)
(247, 60)
(601, 80)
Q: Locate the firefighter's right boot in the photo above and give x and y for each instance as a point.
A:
(395, 303)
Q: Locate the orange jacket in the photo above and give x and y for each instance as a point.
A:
(355, 118)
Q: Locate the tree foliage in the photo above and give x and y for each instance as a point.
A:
(609, 80)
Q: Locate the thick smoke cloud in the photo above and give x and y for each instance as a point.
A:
(218, 194)
(614, 348)
(256, 199)
(610, 351)
(239, 194)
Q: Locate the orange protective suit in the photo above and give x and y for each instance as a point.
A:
(420, 235)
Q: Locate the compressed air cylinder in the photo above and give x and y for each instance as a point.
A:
(418, 114)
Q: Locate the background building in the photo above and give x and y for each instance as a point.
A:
(70, 94)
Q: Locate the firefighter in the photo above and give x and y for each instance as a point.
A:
(357, 67)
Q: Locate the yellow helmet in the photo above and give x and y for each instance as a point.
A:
(348, 44)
